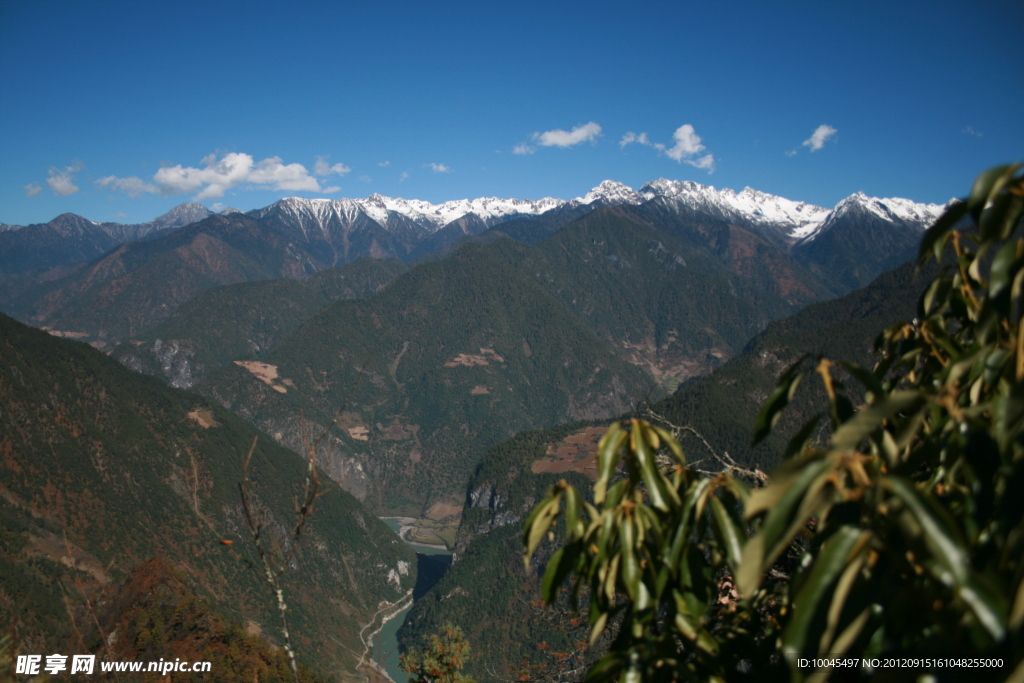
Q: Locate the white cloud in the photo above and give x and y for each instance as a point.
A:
(706, 163)
(820, 136)
(120, 214)
(32, 189)
(218, 176)
(332, 189)
(402, 178)
(62, 181)
(588, 132)
(523, 149)
(641, 139)
(131, 186)
(384, 163)
(969, 130)
(631, 137)
(438, 168)
(687, 145)
(365, 178)
(218, 206)
(210, 158)
(322, 168)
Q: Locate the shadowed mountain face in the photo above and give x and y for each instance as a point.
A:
(70, 239)
(104, 468)
(676, 297)
(131, 289)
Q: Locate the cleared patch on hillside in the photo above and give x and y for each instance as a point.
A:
(479, 389)
(204, 416)
(575, 453)
(353, 424)
(66, 334)
(439, 511)
(485, 357)
(265, 372)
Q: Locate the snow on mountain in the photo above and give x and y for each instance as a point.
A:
(431, 217)
(917, 216)
(795, 220)
(788, 220)
(611, 193)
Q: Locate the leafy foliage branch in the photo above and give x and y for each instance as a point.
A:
(904, 536)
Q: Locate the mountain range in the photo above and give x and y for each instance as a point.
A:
(83, 278)
(426, 342)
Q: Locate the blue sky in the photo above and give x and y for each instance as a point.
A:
(141, 106)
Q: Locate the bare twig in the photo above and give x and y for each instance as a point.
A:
(727, 462)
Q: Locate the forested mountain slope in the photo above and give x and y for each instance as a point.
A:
(488, 592)
(104, 469)
(446, 360)
(244, 321)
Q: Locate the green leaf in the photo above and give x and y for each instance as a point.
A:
(656, 488)
(598, 626)
(778, 400)
(842, 591)
(728, 533)
(673, 445)
(630, 563)
(935, 237)
(989, 606)
(1004, 268)
(987, 185)
(937, 291)
(936, 532)
(852, 432)
(829, 563)
(572, 512)
(1017, 612)
(607, 459)
(561, 565)
(540, 521)
(695, 633)
(784, 499)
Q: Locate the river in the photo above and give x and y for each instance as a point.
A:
(385, 643)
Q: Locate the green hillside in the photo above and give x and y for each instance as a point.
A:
(245, 320)
(447, 360)
(126, 468)
(675, 298)
(723, 406)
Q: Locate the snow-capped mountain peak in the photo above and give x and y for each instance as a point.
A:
(611, 193)
(918, 216)
(794, 220)
(431, 217)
